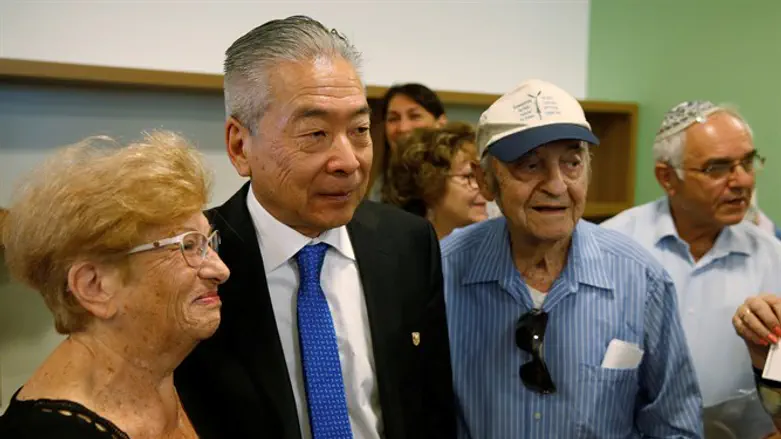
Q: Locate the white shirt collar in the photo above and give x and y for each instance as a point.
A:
(732, 239)
(278, 242)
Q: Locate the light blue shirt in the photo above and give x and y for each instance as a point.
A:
(609, 289)
(744, 261)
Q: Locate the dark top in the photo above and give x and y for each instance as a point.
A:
(236, 383)
(49, 418)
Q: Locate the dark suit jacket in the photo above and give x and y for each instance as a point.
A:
(236, 384)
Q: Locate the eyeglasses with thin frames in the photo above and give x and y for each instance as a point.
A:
(193, 245)
(719, 170)
(529, 336)
(468, 179)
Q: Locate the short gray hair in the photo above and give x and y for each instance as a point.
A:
(670, 150)
(250, 59)
(488, 170)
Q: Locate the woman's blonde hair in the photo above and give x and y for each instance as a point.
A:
(95, 200)
(420, 165)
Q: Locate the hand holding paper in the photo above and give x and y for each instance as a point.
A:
(758, 322)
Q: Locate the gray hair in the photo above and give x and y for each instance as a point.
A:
(486, 163)
(488, 169)
(671, 149)
(250, 59)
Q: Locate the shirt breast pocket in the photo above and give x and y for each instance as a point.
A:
(605, 402)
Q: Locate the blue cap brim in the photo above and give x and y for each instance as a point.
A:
(512, 147)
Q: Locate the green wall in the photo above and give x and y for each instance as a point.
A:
(660, 52)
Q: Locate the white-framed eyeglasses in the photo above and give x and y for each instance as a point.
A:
(193, 245)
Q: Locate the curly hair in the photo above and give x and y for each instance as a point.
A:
(95, 200)
(420, 166)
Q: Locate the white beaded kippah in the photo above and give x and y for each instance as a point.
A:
(683, 116)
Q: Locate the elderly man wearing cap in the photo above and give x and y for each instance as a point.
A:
(706, 164)
(558, 328)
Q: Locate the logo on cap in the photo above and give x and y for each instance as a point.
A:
(537, 106)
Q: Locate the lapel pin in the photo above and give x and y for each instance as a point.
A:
(416, 338)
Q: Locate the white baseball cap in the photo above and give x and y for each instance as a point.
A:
(533, 114)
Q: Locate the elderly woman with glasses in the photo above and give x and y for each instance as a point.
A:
(431, 175)
(115, 241)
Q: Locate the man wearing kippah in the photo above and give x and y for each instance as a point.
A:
(558, 328)
(705, 161)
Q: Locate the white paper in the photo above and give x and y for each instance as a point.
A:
(622, 355)
(772, 364)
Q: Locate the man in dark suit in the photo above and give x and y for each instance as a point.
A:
(333, 320)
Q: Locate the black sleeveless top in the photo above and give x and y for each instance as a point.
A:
(50, 418)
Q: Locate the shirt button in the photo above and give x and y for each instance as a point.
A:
(537, 416)
(691, 310)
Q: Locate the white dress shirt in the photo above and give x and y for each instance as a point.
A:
(342, 286)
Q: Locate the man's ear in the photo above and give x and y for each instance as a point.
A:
(441, 121)
(667, 177)
(484, 182)
(238, 141)
(95, 287)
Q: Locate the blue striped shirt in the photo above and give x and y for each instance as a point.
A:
(610, 288)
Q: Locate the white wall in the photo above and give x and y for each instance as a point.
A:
(481, 46)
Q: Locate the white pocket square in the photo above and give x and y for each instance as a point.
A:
(622, 355)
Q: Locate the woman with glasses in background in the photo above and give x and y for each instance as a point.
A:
(115, 241)
(431, 175)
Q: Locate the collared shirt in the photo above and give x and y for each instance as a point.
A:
(744, 261)
(343, 289)
(609, 289)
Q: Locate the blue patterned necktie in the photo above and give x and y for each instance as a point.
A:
(325, 394)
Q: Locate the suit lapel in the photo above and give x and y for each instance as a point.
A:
(376, 267)
(249, 326)
(248, 322)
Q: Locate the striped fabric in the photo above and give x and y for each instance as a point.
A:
(609, 289)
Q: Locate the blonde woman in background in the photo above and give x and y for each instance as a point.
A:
(115, 241)
(431, 174)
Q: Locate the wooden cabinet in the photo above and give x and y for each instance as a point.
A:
(612, 186)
